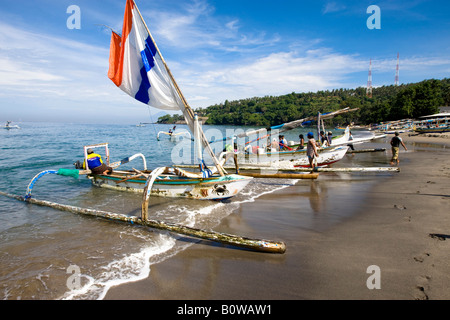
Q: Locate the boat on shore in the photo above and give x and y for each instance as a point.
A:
(439, 129)
(168, 182)
(173, 185)
(391, 127)
(291, 155)
(435, 123)
(294, 158)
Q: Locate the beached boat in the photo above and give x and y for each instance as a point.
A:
(264, 154)
(400, 126)
(137, 67)
(173, 185)
(168, 181)
(435, 123)
(439, 129)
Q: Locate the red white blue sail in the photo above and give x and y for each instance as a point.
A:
(136, 66)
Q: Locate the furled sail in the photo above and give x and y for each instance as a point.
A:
(137, 67)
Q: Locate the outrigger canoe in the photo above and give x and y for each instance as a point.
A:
(296, 158)
(172, 185)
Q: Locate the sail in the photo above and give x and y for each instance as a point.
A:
(137, 67)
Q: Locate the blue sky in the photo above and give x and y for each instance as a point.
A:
(216, 49)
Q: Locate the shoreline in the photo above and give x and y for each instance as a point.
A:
(399, 224)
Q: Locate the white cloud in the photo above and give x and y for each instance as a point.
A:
(50, 66)
(294, 71)
(195, 26)
(274, 74)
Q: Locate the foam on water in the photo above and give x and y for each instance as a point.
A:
(130, 268)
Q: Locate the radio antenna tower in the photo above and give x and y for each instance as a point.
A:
(369, 81)
(396, 71)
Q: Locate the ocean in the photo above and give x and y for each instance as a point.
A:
(47, 254)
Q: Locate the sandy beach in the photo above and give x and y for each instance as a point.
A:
(398, 223)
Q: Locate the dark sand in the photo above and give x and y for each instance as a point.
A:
(331, 245)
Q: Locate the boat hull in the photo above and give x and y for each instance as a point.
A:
(294, 159)
(213, 188)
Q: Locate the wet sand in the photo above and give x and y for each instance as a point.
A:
(401, 224)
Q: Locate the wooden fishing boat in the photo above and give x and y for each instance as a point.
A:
(435, 123)
(174, 136)
(439, 129)
(168, 182)
(295, 158)
(173, 185)
(138, 68)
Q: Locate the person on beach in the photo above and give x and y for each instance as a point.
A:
(396, 141)
(275, 145)
(330, 138)
(95, 163)
(283, 143)
(302, 143)
(322, 138)
(311, 150)
(349, 139)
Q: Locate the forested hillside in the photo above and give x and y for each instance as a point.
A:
(387, 103)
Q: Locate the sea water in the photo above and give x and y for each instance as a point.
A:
(50, 254)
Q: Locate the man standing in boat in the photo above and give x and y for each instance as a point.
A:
(95, 163)
(396, 141)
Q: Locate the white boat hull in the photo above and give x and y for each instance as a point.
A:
(213, 188)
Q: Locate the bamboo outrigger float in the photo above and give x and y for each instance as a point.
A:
(228, 239)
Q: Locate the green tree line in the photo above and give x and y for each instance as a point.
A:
(387, 103)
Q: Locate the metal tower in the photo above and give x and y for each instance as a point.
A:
(396, 71)
(369, 81)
